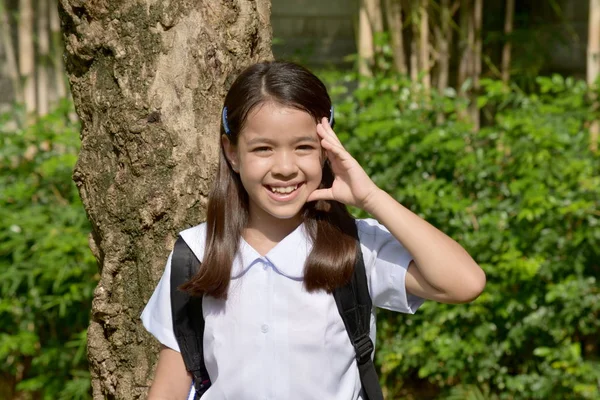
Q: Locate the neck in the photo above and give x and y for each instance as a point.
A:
(272, 228)
(264, 233)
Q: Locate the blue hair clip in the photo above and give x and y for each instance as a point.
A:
(331, 117)
(225, 124)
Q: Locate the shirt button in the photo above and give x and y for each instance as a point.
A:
(264, 328)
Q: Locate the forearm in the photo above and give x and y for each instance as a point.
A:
(451, 272)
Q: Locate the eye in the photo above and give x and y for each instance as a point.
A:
(306, 147)
(260, 149)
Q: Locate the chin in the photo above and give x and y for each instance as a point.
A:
(286, 216)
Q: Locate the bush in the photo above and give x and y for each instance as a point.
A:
(522, 196)
(47, 273)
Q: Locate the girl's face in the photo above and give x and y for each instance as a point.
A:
(279, 159)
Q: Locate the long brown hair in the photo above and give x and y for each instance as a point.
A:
(328, 223)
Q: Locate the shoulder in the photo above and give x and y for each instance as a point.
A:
(386, 266)
(370, 229)
(377, 240)
(195, 238)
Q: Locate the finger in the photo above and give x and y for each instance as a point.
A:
(327, 133)
(333, 155)
(330, 130)
(335, 149)
(320, 194)
(321, 131)
(329, 141)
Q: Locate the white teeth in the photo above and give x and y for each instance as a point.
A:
(284, 190)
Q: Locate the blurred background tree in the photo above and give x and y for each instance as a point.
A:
(481, 116)
(31, 50)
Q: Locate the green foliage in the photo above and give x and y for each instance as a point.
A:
(522, 196)
(47, 273)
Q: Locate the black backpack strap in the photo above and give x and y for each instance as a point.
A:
(354, 304)
(188, 320)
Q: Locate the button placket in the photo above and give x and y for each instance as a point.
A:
(264, 328)
(267, 326)
(265, 263)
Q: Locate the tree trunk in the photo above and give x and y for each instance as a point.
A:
(27, 55)
(466, 42)
(476, 59)
(11, 60)
(395, 25)
(443, 38)
(414, 41)
(366, 49)
(593, 66)
(424, 44)
(59, 88)
(375, 15)
(148, 80)
(444, 41)
(43, 40)
(508, 28)
(370, 24)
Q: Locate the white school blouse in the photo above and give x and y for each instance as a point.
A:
(273, 340)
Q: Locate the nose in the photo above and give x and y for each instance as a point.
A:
(284, 164)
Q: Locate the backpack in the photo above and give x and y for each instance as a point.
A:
(353, 302)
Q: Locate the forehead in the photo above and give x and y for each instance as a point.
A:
(271, 119)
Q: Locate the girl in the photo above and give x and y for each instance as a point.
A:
(275, 245)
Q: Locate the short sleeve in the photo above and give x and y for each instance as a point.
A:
(156, 316)
(386, 263)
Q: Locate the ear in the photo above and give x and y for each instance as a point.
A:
(230, 153)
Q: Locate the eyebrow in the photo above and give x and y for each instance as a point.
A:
(271, 142)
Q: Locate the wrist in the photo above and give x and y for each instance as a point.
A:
(373, 201)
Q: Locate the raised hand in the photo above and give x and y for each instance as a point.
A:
(352, 185)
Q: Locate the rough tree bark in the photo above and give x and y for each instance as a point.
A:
(148, 78)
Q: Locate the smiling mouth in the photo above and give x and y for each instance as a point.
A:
(284, 189)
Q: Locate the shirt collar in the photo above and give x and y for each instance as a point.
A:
(287, 257)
